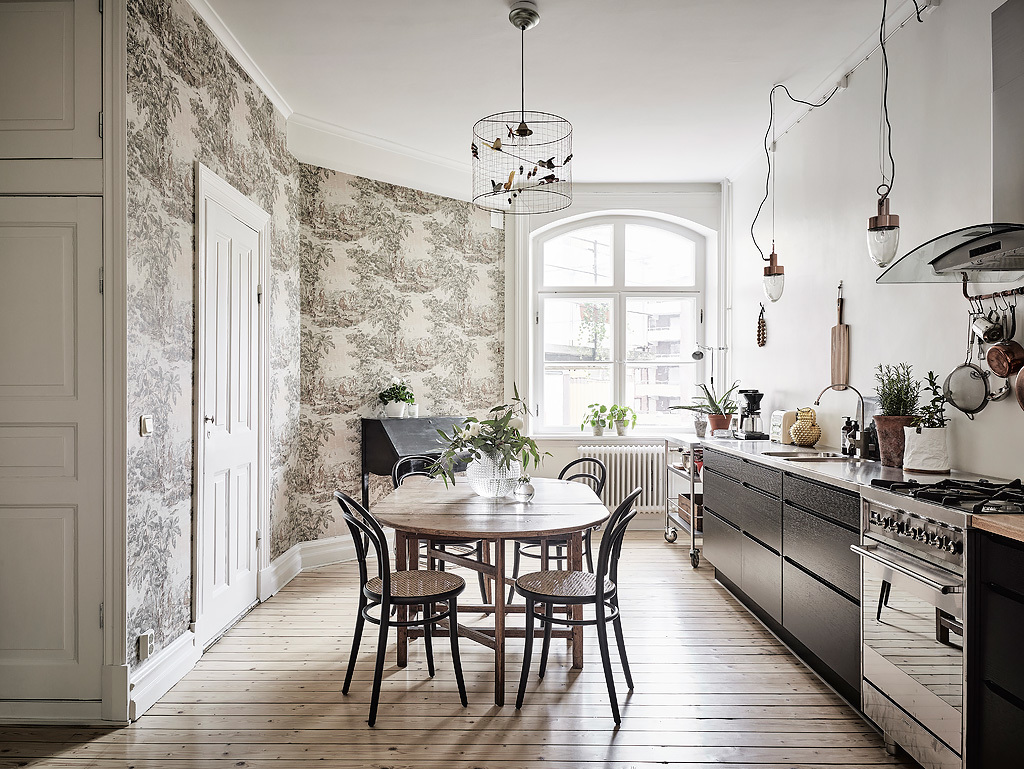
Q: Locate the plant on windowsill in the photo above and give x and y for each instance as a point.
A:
(598, 418)
(898, 393)
(623, 417)
(926, 449)
(495, 449)
(395, 398)
(718, 410)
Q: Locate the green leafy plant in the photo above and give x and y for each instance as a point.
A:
(598, 416)
(397, 392)
(898, 391)
(709, 403)
(933, 413)
(499, 437)
(622, 414)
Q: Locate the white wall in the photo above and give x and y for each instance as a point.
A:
(940, 107)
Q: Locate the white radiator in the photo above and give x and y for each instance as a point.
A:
(629, 467)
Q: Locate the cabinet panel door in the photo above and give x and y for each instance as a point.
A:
(822, 547)
(51, 448)
(722, 543)
(762, 576)
(51, 75)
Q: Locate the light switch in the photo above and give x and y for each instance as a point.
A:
(146, 425)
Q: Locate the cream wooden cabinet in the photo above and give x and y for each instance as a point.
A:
(51, 75)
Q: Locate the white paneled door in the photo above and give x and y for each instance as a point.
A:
(229, 380)
(51, 448)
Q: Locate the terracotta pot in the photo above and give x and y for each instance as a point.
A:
(891, 439)
(719, 422)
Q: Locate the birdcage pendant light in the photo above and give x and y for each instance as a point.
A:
(522, 159)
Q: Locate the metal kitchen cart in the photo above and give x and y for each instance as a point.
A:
(684, 492)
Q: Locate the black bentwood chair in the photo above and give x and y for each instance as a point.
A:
(401, 588)
(594, 473)
(562, 588)
(417, 465)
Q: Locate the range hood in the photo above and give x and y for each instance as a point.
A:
(987, 253)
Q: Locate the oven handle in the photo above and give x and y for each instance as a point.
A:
(866, 552)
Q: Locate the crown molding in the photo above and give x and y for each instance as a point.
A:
(318, 142)
(235, 48)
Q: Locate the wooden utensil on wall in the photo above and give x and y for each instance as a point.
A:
(840, 346)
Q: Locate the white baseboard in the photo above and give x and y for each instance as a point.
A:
(154, 678)
(43, 712)
(304, 555)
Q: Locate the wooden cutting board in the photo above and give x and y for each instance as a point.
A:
(840, 346)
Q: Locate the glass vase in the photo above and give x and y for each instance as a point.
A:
(488, 478)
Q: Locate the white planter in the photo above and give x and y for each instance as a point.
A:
(621, 427)
(598, 430)
(926, 450)
(394, 409)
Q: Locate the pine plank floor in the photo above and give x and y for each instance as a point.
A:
(712, 689)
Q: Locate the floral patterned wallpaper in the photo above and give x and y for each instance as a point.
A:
(188, 100)
(368, 280)
(393, 281)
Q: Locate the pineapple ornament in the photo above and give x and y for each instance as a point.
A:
(805, 431)
(762, 329)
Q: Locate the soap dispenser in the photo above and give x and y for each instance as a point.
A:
(846, 444)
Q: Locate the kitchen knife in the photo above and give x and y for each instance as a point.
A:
(840, 346)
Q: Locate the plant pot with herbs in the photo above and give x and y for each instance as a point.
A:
(718, 410)
(495, 449)
(598, 417)
(926, 448)
(898, 393)
(623, 417)
(395, 398)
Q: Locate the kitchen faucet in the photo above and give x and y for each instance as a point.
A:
(860, 443)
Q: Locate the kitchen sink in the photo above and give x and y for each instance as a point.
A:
(805, 456)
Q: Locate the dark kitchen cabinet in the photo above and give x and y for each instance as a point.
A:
(995, 676)
(722, 543)
(761, 576)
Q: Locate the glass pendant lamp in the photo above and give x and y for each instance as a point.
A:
(883, 232)
(774, 278)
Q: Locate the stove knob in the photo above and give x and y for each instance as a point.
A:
(943, 543)
(956, 547)
(917, 533)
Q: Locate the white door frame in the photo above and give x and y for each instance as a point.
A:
(210, 187)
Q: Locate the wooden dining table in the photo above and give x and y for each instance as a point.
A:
(428, 508)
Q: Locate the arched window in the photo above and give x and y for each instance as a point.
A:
(619, 309)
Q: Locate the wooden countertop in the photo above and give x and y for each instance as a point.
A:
(1011, 526)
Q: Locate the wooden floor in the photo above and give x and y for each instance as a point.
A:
(712, 688)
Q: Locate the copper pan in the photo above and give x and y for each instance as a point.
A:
(1019, 390)
(1006, 358)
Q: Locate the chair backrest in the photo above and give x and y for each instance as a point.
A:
(414, 464)
(361, 523)
(611, 541)
(590, 469)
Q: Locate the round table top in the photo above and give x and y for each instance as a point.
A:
(429, 508)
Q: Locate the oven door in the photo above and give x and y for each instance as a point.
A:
(912, 621)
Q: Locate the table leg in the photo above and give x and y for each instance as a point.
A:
(401, 564)
(576, 564)
(499, 622)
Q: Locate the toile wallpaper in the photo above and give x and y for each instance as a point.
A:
(393, 282)
(368, 280)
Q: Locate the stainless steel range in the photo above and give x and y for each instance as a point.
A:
(912, 606)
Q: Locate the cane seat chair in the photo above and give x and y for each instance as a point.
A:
(566, 588)
(397, 588)
(418, 465)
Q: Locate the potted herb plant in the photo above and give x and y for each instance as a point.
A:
(898, 393)
(718, 410)
(395, 398)
(495, 449)
(623, 417)
(597, 417)
(926, 449)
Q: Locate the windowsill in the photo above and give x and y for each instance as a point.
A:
(634, 438)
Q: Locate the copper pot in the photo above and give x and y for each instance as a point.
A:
(1006, 358)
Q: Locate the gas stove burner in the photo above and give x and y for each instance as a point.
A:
(1002, 507)
(897, 486)
(980, 496)
(950, 497)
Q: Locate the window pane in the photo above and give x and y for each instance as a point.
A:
(582, 257)
(651, 389)
(568, 391)
(577, 329)
(657, 257)
(660, 329)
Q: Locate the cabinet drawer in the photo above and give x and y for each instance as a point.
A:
(1001, 632)
(1000, 725)
(1003, 563)
(743, 470)
(722, 542)
(823, 620)
(761, 578)
(822, 547)
(749, 509)
(822, 499)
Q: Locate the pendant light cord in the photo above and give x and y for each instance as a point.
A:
(522, 73)
(769, 180)
(885, 126)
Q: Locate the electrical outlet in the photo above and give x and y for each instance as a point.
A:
(146, 641)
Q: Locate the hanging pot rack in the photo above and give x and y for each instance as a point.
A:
(1018, 291)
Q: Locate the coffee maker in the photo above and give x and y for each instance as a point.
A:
(750, 417)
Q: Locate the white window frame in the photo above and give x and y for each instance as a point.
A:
(619, 293)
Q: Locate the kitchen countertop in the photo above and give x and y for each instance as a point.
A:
(852, 475)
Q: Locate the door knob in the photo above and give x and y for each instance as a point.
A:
(211, 420)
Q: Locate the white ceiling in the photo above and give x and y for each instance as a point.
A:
(656, 90)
